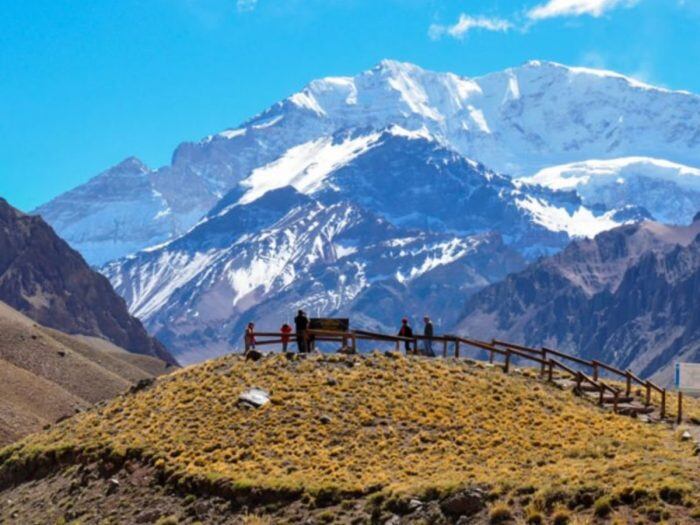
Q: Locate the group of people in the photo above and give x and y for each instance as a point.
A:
(301, 324)
(428, 333)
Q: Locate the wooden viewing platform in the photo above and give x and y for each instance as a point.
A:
(620, 397)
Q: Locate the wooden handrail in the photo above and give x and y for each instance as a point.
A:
(508, 350)
(513, 346)
(363, 334)
(273, 334)
(567, 356)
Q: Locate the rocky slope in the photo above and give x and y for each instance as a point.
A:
(516, 121)
(46, 375)
(350, 439)
(628, 296)
(42, 277)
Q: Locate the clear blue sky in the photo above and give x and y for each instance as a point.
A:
(84, 84)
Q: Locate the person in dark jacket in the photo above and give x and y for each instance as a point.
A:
(301, 322)
(428, 333)
(406, 331)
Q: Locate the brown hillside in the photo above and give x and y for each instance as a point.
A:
(45, 279)
(45, 374)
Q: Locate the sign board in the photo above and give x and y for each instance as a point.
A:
(326, 323)
(688, 377)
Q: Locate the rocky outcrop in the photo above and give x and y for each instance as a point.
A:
(42, 277)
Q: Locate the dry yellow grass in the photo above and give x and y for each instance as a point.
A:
(404, 426)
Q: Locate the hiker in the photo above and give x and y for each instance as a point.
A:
(406, 331)
(285, 330)
(249, 337)
(301, 322)
(428, 333)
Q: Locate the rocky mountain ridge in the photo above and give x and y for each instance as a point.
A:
(46, 280)
(628, 296)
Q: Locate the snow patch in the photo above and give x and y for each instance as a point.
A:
(306, 166)
(582, 223)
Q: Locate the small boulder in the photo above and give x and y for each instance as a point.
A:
(414, 505)
(255, 397)
(112, 485)
(253, 355)
(143, 384)
(686, 436)
(148, 516)
(465, 503)
(325, 419)
(331, 381)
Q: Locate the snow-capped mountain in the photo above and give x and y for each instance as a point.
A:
(264, 259)
(378, 224)
(517, 121)
(669, 191)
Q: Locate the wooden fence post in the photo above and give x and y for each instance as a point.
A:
(628, 390)
(679, 420)
(551, 371)
(544, 362)
(648, 399)
(596, 372)
(663, 403)
(415, 345)
(457, 348)
(506, 366)
(444, 348)
(491, 356)
(615, 401)
(601, 398)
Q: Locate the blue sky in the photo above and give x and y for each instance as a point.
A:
(85, 84)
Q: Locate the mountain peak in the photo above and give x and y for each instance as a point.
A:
(130, 165)
(394, 66)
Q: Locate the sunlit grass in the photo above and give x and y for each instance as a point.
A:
(402, 426)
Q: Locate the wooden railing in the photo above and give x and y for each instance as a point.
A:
(548, 359)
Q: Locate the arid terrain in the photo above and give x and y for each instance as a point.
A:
(352, 439)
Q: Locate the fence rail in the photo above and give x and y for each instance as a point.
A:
(544, 357)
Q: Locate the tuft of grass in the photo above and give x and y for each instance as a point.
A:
(561, 517)
(500, 513)
(602, 507)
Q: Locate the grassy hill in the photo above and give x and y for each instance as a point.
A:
(46, 374)
(352, 439)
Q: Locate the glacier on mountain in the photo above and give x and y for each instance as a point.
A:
(517, 121)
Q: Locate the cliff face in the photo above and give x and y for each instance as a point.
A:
(42, 277)
(630, 296)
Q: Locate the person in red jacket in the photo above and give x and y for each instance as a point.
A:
(250, 337)
(285, 330)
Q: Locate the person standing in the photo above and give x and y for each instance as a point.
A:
(301, 323)
(428, 333)
(285, 330)
(249, 337)
(406, 331)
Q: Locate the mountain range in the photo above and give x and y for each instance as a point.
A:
(628, 297)
(396, 191)
(518, 121)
